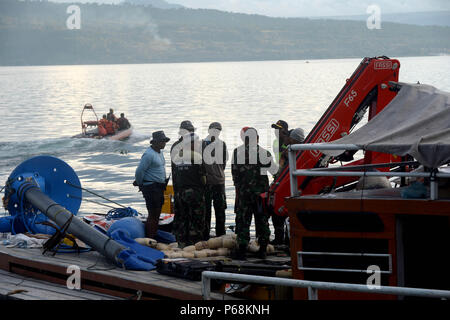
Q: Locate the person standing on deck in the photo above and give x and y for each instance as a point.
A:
(280, 145)
(296, 136)
(249, 170)
(282, 135)
(189, 182)
(151, 178)
(186, 127)
(215, 155)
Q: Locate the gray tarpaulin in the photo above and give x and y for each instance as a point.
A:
(416, 122)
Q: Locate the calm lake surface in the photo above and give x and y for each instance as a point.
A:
(40, 110)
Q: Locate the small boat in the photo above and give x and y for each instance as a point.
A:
(90, 129)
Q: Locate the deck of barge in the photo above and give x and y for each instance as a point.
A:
(25, 269)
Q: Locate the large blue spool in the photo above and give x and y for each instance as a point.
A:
(52, 176)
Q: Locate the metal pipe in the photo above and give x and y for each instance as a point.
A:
(313, 293)
(425, 293)
(58, 214)
(306, 172)
(340, 270)
(367, 166)
(323, 146)
(433, 190)
(293, 178)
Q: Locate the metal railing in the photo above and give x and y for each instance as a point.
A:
(314, 286)
(294, 173)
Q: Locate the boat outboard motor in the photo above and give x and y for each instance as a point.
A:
(47, 187)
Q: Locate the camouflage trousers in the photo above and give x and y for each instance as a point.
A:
(215, 195)
(189, 220)
(248, 205)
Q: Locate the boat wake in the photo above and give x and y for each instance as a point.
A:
(138, 137)
(17, 151)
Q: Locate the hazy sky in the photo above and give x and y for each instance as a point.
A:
(305, 8)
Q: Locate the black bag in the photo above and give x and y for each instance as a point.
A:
(184, 268)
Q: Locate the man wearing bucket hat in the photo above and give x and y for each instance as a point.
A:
(151, 178)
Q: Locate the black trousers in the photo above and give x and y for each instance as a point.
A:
(215, 195)
(154, 200)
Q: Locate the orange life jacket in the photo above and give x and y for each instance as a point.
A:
(101, 130)
(108, 125)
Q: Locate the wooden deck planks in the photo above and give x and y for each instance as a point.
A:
(95, 268)
(24, 288)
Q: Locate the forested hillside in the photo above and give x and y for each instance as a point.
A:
(35, 33)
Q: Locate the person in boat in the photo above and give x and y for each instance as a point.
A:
(102, 123)
(109, 126)
(282, 135)
(110, 116)
(296, 136)
(123, 122)
(215, 155)
(190, 180)
(249, 170)
(150, 176)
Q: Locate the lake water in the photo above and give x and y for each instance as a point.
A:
(40, 110)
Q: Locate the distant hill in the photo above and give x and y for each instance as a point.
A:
(35, 33)
(154, 3)
(431, 18)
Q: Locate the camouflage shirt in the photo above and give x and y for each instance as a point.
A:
(249, 168)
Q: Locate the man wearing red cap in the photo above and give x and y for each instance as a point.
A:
(249, 169)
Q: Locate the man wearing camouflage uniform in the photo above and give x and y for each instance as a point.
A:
(249, 170)
(189, 180)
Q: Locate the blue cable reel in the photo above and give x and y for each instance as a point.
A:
(59, 191)
(53, 177)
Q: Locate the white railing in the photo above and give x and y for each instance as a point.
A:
(314, 286)
(294, 173)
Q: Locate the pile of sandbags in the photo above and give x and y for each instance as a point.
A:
(219, 246)
(214, 247)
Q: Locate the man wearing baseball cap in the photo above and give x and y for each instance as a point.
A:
(280, 143)
(186, 127)
(215, 155)
(151, 178)
(189, 179)
(189, 169)
(296, 136)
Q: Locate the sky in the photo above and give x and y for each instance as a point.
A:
(306, 8)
